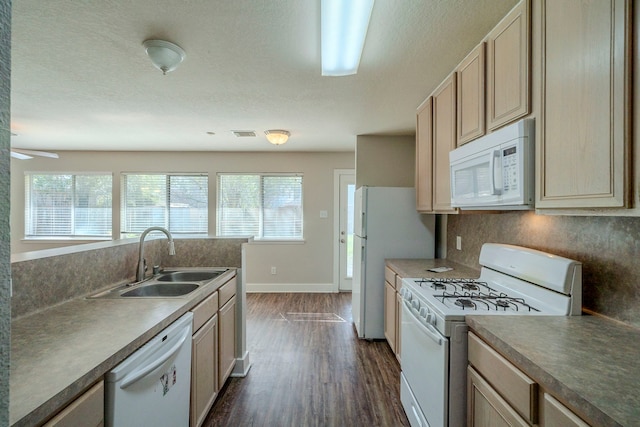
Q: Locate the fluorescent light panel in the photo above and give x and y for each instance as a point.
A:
(344, 26)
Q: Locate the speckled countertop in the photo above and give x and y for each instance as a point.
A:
(58, 352)
(418, 268)
(590, 363)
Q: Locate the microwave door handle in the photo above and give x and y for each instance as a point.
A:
(492, 166)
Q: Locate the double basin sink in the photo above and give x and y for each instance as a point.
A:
(167, 284)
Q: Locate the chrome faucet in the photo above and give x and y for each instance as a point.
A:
(141, 267)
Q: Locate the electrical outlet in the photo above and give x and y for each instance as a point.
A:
(273, 270)
(459, 243)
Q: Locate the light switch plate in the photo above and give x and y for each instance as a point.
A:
(324, 214)
(459, 243)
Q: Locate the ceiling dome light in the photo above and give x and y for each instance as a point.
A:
(166, 56)
(277, 136)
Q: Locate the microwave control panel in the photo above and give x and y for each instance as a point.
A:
(510, 169)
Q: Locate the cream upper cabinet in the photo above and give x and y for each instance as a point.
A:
(444, 141)
(470, 96)
(508, 73)
(583, 134)
(424, 157)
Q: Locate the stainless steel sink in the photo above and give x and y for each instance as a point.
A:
(189, 276)
(172, 283)
(172, 289)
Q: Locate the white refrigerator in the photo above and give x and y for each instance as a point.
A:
(386, 225)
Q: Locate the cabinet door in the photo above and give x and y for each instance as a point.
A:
(583, 136)
(485, 407)
(204, 370)
(444, 141)
(398, 325)
(390, 315)
(508, 67)
(227, 340)
(424, 159)
(470, 101)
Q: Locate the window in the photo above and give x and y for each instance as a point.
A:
(67, 205)
(178, 202)
(266, 206)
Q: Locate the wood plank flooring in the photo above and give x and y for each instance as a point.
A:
(310, 369)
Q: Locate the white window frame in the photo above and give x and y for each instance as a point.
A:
(166, 223)
(260, 236)
(30, 208)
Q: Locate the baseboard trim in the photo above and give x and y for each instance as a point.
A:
(241, 369)
(290, 287)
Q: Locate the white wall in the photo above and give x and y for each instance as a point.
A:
(385, 161)
(300, 266)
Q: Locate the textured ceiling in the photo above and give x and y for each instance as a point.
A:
(81, 80)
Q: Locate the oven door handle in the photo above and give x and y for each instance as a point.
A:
(426, 329)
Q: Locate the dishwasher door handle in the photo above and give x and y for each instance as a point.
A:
(142, 371)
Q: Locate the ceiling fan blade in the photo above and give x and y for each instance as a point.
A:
(35, 153)
(20, 156)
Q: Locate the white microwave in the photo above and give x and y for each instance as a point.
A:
(496, 171)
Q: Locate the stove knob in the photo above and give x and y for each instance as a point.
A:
(430, 318)
(406, 294)
(415, 304)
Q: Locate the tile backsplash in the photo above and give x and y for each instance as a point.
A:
(608, 247)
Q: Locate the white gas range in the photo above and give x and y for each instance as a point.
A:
(513, 281)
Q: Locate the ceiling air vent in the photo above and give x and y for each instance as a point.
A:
(243, 133)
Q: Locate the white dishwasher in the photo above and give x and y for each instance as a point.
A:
(151, 387)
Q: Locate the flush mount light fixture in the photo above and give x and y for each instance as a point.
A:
(166, 56)
(277, 136)
(344, 27)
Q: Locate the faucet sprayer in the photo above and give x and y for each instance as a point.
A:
(141, 267)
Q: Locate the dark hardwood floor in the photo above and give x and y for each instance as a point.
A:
(310, 369)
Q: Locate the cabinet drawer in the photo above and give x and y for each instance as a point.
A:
(398, 283)
(390, 276)
(87, 410)
(203, 311)
(227, 291)
(556, 414)
(518, 389)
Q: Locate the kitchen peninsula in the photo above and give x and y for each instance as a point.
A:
(61, 350)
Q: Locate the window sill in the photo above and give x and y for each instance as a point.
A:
(59, 239)
(253, 241)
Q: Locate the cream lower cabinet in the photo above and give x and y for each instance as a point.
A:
(583, 135)
(227, 328)
(500, 394)
(86, 410)
(392, 309)
(204, 359)
(486, 407)
(390, 324)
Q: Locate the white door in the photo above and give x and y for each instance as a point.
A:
(344, 186)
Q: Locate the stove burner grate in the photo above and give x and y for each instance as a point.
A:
(485, 301)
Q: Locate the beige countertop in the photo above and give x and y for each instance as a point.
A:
(58, 352)
(590, 363)
(418, 268)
